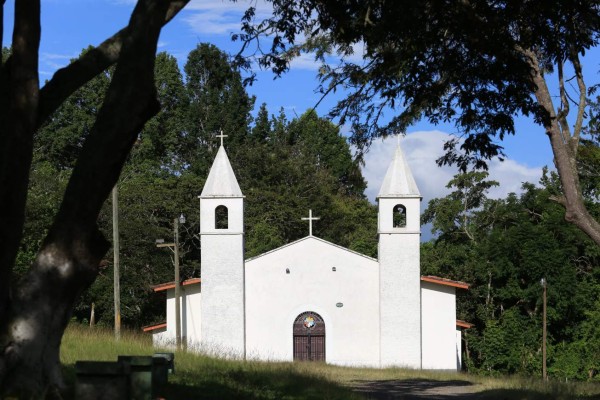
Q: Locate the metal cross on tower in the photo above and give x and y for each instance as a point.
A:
(310, 219)
(220, 135)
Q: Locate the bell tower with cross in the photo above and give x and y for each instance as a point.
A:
(399, 266)
(222, 316)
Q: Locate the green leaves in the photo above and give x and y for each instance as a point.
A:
(284, 169)
(503, 248)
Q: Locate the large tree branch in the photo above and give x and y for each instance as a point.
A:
(563, 111)
(582, 103)
(564, 158)
(130, 102)
(67, 80)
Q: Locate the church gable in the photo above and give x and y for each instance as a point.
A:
(313, 276)
(302, 243)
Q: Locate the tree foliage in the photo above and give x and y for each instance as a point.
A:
(512, 244)
(218, 102)
(284, 168)
(476, 63)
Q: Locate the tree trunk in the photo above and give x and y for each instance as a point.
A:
(19, 93)
(42, 308)
(564, 149)
(68, 260)
(24, 108)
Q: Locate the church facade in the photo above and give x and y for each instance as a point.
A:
(312, 299)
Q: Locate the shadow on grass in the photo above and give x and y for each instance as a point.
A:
(254, 381)
(244, 383)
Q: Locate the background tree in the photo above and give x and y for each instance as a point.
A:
(300, 165)
(319, 140)
(218, 101)
(279, 168)
(513, 243)
(477, 63)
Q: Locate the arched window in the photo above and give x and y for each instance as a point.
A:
(221, 217)
(399, 216)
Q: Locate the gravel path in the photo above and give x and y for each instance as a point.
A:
(417, 389)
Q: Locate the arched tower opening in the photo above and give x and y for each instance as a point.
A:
(221, 217)
(399, 216)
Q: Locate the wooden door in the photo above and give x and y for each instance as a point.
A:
(309, 337)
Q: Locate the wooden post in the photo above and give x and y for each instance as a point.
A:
(116, 261)
(177, 286)
(93, 315)
(544, 369)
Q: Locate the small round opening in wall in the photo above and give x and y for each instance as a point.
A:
(338, 305)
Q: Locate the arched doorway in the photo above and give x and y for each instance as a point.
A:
(309, 337)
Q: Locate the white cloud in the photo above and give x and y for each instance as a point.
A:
(54, 61)
(421, 150)
(223, 17)
(220, 17)
(305, 61)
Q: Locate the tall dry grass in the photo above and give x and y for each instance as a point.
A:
(199, 376)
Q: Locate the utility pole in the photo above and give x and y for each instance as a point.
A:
(177, 286)
(544, 370)
(116, 271)
(175, 248)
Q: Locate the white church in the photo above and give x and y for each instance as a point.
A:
(312, 299)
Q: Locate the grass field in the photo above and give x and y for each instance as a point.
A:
(202, 377)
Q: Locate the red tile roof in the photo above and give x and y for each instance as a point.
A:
(171, 285)
(151, 328)
(464, 324)
(446, 282)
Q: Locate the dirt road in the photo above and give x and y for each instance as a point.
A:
(414, 389)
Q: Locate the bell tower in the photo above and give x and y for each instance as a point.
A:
(399, 232)
(222, 271)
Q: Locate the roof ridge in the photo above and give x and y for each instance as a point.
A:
(221, 180)
(399, 180)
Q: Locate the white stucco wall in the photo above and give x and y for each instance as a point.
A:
(222, 316)
(400, 302)
(166, 338)
(458, 349)
(274, 299)
(400, 276)
(439, 326)
(386, 214)
(235, 211)
(163, 339)
(190, 318)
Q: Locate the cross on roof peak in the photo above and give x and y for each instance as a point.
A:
(310, 220)
(221, 135)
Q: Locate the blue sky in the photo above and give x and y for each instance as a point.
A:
(68, 26)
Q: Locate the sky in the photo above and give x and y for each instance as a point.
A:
(68, 26)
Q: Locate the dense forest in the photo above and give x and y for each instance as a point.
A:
(502, 247)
